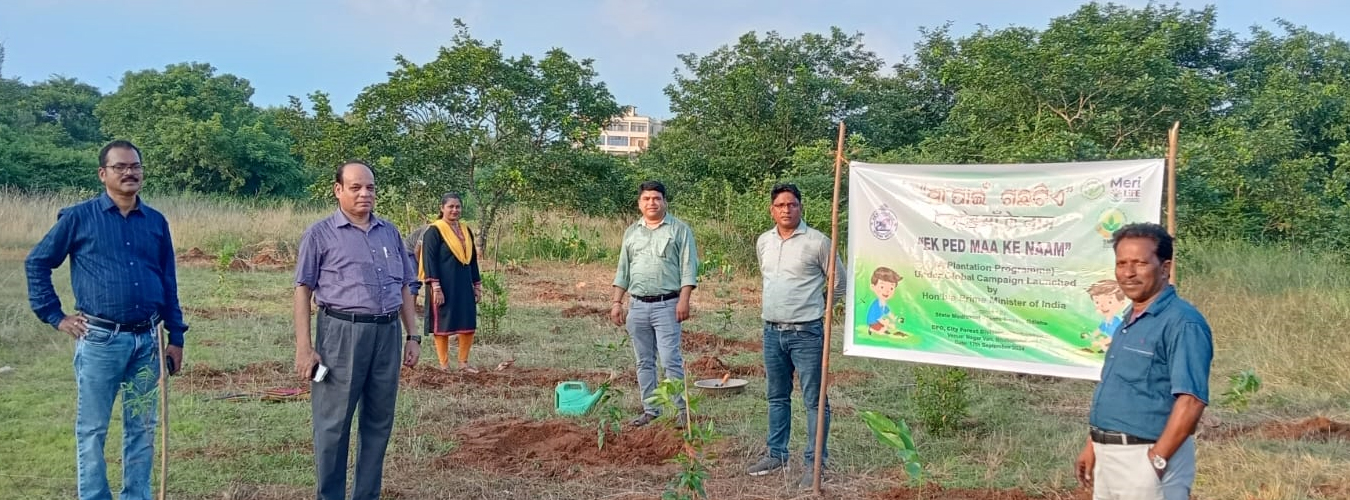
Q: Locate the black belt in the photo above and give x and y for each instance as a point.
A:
(378, 319)
(1113, 437)
(657, 298)
(792, 326)
(142, 327)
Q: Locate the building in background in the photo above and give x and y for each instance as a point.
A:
(629, 133)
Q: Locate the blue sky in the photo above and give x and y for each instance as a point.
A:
(293, 47)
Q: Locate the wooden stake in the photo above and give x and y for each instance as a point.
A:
(1172, 190)
(829, 314)
(163, 415)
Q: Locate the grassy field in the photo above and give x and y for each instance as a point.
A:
(1277, 311)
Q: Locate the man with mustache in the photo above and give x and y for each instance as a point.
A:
(1154, 385)
(125, 283)
(658, 269)
(355, 267)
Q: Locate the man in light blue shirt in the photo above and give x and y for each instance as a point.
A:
(658, 268)
(794, 261)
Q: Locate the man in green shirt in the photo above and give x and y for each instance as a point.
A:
(658, 268)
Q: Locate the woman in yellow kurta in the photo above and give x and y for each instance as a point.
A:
(449, 267)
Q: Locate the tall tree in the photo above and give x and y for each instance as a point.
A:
(1102, 82)
(199, 131)
(741, 109)
(474, 119)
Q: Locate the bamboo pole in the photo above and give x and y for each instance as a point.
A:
(829, 315)
(163, 415)
(1172, 191)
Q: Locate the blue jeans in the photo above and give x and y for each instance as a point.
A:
(107, 362)
(786, 351)
(655, 331)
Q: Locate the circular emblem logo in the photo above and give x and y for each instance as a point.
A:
(1110, 220)
(1093, 189)
(883, 223)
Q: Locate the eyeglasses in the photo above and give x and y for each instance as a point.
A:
(123, 168)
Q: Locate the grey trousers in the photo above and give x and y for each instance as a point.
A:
(364, 363)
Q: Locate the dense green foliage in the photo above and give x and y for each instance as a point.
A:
(1265, 117)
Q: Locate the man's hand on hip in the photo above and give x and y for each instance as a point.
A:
(305, 360)
(74, 325)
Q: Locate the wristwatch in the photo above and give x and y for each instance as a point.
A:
(1159, 462)
(414, 338)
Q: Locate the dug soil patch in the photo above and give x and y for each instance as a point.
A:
(557, 448)
(697, 341)
(217, 312)
(256, 376)
(579, 310)
(714, 367)
(1310, 429)
(934, 492)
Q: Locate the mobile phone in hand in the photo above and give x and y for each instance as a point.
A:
(170, 365)
(320, 372)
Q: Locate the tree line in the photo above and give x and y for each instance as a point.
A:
(1263, 152)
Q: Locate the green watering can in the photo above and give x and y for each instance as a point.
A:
(574, 398)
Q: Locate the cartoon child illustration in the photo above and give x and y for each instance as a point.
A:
(879, 316)
(1110, 301)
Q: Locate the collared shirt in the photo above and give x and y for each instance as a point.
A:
(121, 268)
(355, 270)
(794, 271)
(657, 261)
(1161, 354)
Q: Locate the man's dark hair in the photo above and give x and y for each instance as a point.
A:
(785, 188)
(1150, 230)
(337, 176)
(117, 144)
(653, 186)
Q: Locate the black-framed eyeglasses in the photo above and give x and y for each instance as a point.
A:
(123, 168)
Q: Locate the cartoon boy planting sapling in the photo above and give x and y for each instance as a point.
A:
(880, 319)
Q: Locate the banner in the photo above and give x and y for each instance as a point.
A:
(1003, 267)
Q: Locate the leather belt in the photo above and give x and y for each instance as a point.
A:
(142, 327)
(378, 319)
(1113, 437)
(792, 326)
(657, 298)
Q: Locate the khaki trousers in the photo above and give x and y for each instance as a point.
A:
(1123, 472)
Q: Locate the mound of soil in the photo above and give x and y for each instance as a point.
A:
(1310, 429)
(557, 448)
(195, 256)
(713, 367)
(579, 310)
(697, 341)
(554, 295)
(935, 492)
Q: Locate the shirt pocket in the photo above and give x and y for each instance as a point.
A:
(662, 245)
(1133, 363)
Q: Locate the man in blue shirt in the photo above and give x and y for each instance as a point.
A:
(123, 276)
(1154, 385)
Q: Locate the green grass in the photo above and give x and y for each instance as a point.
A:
(1277, 311)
